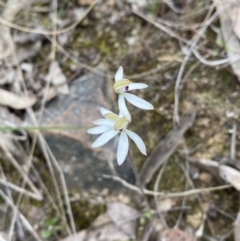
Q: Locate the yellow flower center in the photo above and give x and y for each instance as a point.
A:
(121, 84)
(111, 116)
(120, 124)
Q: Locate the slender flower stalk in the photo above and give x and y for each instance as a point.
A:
(121, 87)
(138, 180)
(111, 126)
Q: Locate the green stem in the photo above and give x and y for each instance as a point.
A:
(41, 128)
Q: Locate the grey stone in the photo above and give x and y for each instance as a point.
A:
(83, 166)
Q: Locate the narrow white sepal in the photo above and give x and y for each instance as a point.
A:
(104, 138)
(123, 108)
(103, 122)
(123, 146)
(138, 102)
(137, 86)
(98, 130)
(138, 141)
(119, 74)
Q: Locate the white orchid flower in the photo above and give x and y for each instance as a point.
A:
(122, 86)
(109, 128)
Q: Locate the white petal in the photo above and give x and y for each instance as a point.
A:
(138, 102)
(123, 108)
(138, 141)
(103, 122)
(98, 130)
(120, 115)
(119, 74)
(105, 111)
(104, 138)
(137, 86)
(122, 150)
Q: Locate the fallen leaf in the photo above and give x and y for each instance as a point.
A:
(230, 25)
(57, 78)
(10, 10)
(234, 14)
(175, 234)
(7, 75)
(124, 217)
(230, 175)
(208, 165)
(195, 219)
(15, 101)
(104, 229)
(118, 223)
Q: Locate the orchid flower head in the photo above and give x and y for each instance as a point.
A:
(121, 87)
(109, 127)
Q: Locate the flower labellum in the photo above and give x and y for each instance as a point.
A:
(121, 86)
(109, 128)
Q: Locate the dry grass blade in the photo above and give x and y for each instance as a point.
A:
(233, 141)
(14, 101)
(162, 27)
(11, 158)
(156, 187)
(21, 190)
(23, 219)
(64, 187)
(30, 157)
(43, 146)
(237, 228)
(196, 38)
(163, 194)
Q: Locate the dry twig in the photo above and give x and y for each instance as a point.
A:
(166, 195)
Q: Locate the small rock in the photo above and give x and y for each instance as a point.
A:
(83, 166)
